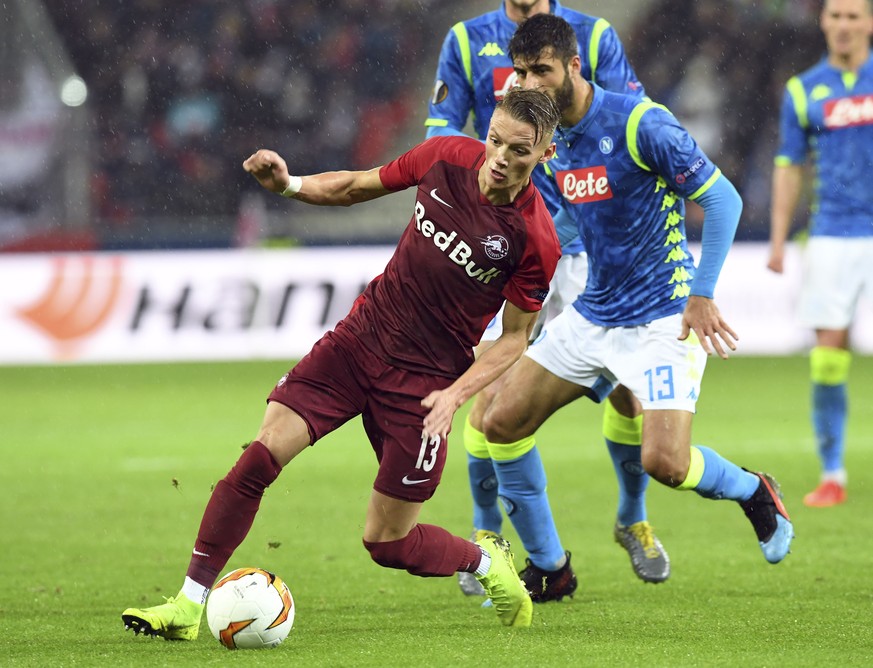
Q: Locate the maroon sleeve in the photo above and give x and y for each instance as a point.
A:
(529, 285)
(407, 170)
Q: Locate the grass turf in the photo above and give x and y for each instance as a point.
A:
(106, 470)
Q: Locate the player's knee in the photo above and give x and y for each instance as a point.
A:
(498, 429)
(664, 467)
(390, 554)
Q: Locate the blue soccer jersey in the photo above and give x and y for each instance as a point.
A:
(623, 173)
(827, 114)
(475, 71)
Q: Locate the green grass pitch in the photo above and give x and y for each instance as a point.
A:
(105, 472)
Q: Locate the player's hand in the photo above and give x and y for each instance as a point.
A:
(776, 263)
(269, 169)
(702, 315)
(438, 422)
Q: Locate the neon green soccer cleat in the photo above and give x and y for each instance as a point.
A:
(177, 619)
(467, 581)
(503, 586)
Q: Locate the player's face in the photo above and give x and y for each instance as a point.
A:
(847, 25)
(548, 75)
(511, 153)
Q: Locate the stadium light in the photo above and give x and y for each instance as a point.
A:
(74, 92)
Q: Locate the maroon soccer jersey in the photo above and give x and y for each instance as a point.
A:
(455, 263)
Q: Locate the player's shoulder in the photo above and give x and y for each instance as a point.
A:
(583, 24)
(627, 106)
(813, 75)
(458, 149)
(484, 22)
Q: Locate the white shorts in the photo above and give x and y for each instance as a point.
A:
(569, 280)
(836, 270)
(661, 371)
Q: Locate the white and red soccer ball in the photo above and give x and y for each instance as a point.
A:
(250, 608)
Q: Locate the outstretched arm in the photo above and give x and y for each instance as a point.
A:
(327, 189)
(517, 326)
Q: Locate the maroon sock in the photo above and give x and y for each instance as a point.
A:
(231, 511)
(428, 551)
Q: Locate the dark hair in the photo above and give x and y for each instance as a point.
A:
(543, 32)
(534, 108)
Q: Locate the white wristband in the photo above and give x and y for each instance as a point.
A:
(295, 183)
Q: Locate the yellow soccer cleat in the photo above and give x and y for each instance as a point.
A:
(177, 619)
(502, 584)
(467, 581)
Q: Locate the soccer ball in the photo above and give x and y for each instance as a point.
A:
(250, 608)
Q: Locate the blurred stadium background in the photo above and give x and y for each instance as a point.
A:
(123, 126)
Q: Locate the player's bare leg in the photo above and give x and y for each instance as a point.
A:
(510, 423)
(226, 522)
(669, 457)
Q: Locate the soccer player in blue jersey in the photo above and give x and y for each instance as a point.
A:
(474, 72)
(827, 117)
(647, 319)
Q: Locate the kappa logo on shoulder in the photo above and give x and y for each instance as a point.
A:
(491, 49)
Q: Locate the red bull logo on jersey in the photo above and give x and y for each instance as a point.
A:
(589, 184)
(458, 250)
(505, 80)
(847, 112)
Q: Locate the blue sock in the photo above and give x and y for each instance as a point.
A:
(829, 410)
(632, 481)
(483, 487)
(523, 492)
(723, 479)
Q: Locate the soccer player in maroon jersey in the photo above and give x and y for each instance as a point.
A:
(402, 358)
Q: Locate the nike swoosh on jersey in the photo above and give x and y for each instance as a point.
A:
(407, 481)
(433, 193)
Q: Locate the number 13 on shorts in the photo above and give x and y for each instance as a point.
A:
(427, 454)
(661, 386)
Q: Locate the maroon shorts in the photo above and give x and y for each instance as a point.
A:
(339, 379)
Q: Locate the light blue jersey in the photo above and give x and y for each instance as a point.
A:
(827, 113)
(622, 173)
(475, 71)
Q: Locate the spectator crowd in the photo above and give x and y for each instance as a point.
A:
(180, 93)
